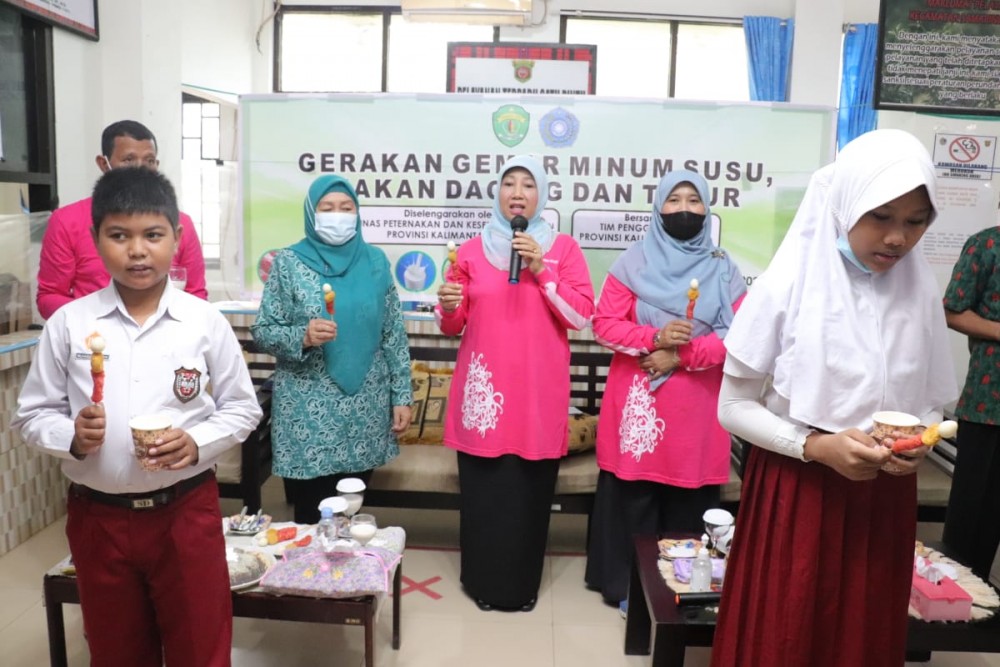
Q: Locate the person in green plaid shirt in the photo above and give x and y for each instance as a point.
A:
(972, 307)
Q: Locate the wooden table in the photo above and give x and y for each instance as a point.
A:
(61, 589)
(656, 625)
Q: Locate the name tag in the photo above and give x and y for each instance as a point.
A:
(85, 356)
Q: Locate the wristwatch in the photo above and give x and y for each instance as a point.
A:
(656, 340)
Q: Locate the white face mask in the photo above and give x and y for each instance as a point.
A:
(336, 228)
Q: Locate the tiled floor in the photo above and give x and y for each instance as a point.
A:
(569, 627)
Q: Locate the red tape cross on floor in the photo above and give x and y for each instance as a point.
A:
(422, 586)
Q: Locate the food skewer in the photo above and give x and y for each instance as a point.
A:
(452, 257)
(931, 436)
(328, 296)
(95, 342)
(692, 298)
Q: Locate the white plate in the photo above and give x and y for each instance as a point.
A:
(249, 568)
(682, 552)
(264, 524)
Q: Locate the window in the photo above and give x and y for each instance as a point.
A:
(383, 52)
(418, 53)
(327, 51)
(664, 58)
(711, 63)
(200, 168)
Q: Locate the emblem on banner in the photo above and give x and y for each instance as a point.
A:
(187, 383)
(559, 128)
(510, 124)
(522, 69)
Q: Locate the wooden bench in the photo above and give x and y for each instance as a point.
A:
(242, 470)
(426, 476)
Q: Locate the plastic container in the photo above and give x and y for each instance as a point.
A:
(326, 529)
(943, 601)
(327, 532)
(701, 569)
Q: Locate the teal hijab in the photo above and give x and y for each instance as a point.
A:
(359, 275)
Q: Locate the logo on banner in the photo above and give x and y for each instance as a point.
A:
(187, 383)
(510, 124)
(522, 69)
(559, 128)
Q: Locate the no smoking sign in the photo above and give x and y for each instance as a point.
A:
(964, 156)
(964, 149)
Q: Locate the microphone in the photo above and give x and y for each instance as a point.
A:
(517, 224)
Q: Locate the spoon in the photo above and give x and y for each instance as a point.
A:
(240, 518)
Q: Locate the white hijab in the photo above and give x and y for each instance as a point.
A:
(840, 343)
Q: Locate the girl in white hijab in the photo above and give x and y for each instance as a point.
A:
(846, 321)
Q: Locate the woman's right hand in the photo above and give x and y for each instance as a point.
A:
(450, 296)
(676, 333)
(319, 331)
(852, 453)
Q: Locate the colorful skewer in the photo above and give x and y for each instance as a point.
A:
(931, 436)
(96, 344)
(452, 257)
(328, 296)
(692, 298)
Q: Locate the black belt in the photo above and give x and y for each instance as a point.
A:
(143, 501)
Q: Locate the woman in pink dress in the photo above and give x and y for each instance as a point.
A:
(509, 401)
(661, 451)
(846, 321)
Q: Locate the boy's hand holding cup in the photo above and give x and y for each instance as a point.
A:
(147, 430)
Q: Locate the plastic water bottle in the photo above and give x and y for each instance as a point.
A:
(326, 529)
(701, 570)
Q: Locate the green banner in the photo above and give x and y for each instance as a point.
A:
(424, 167)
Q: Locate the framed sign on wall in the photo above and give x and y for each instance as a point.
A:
(521, 68)
(79, 16)
(939, 56)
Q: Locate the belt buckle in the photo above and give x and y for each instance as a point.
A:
(143, 503)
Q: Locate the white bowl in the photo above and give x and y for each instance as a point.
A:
(350, 485)
(717, 517)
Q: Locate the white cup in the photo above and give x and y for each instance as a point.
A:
(178, 277)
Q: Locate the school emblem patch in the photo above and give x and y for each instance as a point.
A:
(510, 124)
(187, 383)
(522, 69)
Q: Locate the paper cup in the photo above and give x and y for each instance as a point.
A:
(146, 429)
(887, 422)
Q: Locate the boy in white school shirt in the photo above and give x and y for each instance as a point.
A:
(147, 545)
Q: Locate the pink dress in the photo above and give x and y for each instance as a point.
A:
(69, 266)
(673, 435)
(510, 391)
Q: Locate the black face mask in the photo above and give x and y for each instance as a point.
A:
(683, 225)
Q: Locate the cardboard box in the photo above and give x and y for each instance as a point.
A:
(943, 601)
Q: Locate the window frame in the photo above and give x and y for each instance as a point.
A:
(387, 12)
(39, 90)
(674, 23)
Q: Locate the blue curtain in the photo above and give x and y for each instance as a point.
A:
(769, 52)
(857, 89)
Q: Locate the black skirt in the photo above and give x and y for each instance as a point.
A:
(504, 523)
(623, 509)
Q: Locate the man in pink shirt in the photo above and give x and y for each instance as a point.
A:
(69, 266)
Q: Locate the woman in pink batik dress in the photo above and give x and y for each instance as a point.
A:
(662, 454)
(509, 402)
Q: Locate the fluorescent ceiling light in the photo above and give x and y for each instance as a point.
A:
(492, 12)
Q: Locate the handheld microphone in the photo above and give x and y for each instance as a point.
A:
(517, 224)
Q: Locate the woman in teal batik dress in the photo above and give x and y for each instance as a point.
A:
(342, 383)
